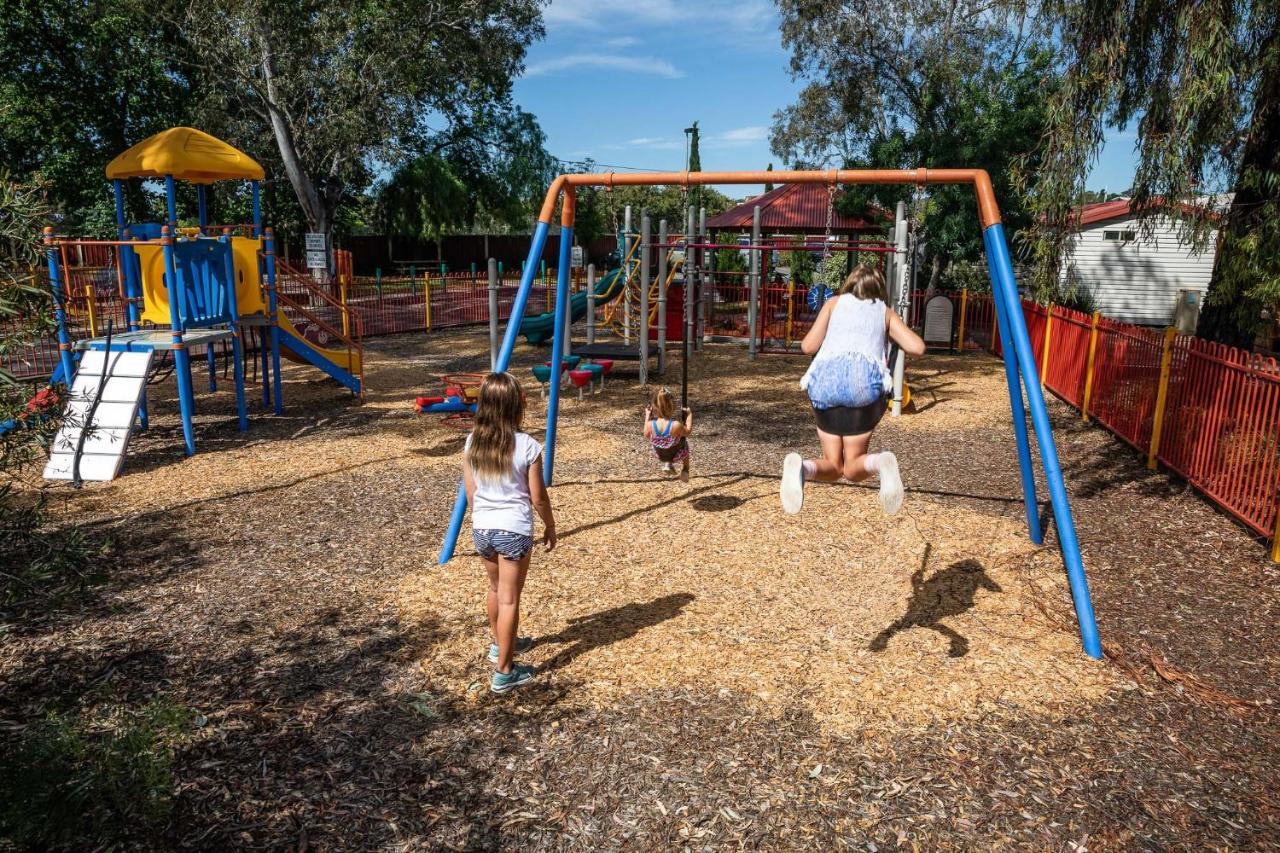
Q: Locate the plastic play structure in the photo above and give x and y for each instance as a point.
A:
(1019, 361)
(540, 328)
(186, 287)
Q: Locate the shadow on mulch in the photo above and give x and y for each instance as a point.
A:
(588, 633)
(949, 592)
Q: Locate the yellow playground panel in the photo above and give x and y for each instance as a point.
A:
(155, 296)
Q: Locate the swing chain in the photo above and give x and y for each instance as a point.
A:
(831, 209)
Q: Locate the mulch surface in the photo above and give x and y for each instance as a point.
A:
(713, 672)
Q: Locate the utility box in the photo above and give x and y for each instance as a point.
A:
(1186, 315)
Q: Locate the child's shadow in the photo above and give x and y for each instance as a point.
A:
(587, 633)
(950, 592)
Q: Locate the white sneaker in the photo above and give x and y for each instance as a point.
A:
(791, 489)
(890, 483)
(668, 468)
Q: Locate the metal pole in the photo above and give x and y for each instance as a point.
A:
(702, 280)
(898, 284)
(662, 297)
(591, 304)
(561, 332)
(504, 359)
(1016, 328)
(493, 314)
(689, 240)
(643, 324)
(753, 309)
(626, 272)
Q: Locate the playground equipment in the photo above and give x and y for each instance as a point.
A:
(539, 328)
(457, 403)
(207, 284)
(1021, 371)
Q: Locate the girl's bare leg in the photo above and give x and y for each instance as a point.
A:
(511, 577)
(829, 467)
(491, 600)
(855, 457)
(684, 470)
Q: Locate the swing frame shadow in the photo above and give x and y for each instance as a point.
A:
(1021, 371)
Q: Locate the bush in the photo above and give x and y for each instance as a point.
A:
(74, 783)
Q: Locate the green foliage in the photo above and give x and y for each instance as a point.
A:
(801, 264)
(345, 88)
(99, 782)
(1202, 81)
(79, 83)
(768, 187)
(729, 260)
(936, 84)
(966, 275)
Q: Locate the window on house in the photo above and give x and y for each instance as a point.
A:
(1119, 236)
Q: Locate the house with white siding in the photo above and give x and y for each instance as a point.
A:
(1135, 278)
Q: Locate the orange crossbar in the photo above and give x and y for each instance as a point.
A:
(988, 209)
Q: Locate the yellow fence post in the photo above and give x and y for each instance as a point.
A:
(92, 309)
(1088, 367)
(346, 312)
(964, 305)
(1162, 397)
(1275, 541)
(426, 298)
(1044, 356)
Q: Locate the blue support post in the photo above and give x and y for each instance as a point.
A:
(264, 347)
(504, 360)
(1007, 292)
(237, 350)
(256, 194)
(269, 254)
(59, 308)
(561, 328)
(181, 358)
(171, 205)
(1034, 529)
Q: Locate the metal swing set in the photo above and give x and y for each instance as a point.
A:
(1021, 371)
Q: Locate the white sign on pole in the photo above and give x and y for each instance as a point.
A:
(317, 260)
(315, 242)
(579, 258)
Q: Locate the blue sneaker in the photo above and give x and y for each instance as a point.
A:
(523, 644)
(519, 676)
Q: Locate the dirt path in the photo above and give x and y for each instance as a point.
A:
(714, 672)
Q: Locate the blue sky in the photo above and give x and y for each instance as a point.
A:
(619, 80)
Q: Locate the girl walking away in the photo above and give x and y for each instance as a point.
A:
(668, 437)
(849, 384)
(502, 472)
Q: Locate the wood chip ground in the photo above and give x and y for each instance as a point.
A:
(714, 673)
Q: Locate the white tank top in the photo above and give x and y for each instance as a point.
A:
(856, 335)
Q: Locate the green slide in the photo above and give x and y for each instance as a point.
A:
(540, 329)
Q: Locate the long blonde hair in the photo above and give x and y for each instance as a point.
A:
(663, 404)
(499, 413)
(865, 282)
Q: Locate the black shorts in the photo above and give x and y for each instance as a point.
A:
(851, 420)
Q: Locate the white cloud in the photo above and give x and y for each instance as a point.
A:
(621, 41)
(739, 136)
(742, 16)
(631, 64)
(655, 143)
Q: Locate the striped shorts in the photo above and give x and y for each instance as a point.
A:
(491, 543)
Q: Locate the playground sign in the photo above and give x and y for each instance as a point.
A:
(314, 242)
(317, 260)
(578, 259)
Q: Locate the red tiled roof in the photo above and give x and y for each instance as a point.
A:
(796, 207)
(1103, 210)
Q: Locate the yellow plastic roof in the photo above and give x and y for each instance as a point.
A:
(187, 154)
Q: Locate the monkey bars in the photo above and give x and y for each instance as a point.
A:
(1019, 361)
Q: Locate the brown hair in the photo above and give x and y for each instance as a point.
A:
(865, 282)
(499, 413)
(663, 404)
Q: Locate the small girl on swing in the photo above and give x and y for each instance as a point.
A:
(668, 437)
(849, 385)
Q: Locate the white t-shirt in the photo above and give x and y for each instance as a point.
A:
(504, 503)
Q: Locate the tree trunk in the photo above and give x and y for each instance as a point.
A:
(1231, 315)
